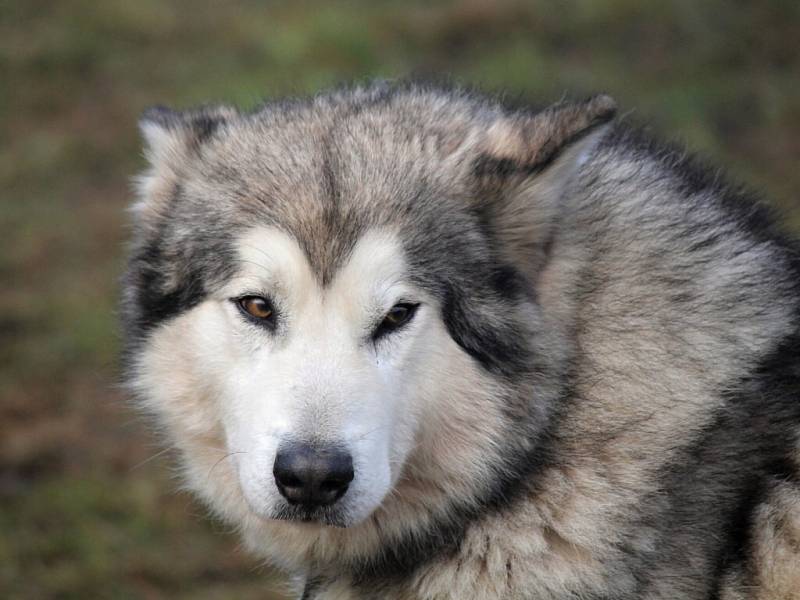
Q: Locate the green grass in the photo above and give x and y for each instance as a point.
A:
(87, 537)
(77, 520)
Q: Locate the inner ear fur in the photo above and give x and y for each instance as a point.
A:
(525, 170)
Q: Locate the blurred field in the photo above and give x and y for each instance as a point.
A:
(83, 513)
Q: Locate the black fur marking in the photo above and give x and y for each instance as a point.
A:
(498, 346)
(201, 125)
(160, 115)
(480, 311)
(481, 295)
(156, 305)
(312, 586)
(509, 283)
(169, 275)
(204, 127)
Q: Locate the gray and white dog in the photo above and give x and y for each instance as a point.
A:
(416, 344)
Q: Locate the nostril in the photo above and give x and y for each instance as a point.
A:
(287, 470)
(330, 486)
(288, 479)
(337, 481)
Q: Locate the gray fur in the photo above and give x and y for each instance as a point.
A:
(640, 317)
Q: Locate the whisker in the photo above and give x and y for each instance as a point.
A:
(370, 432)
(228, 455)
(153, 457)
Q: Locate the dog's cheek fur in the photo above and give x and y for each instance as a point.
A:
(173, 378)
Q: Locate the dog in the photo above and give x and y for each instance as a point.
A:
(414, 343)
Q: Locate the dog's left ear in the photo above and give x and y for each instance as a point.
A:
(527, 166)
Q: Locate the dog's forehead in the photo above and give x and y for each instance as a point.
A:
(270, 256)
(328, 181)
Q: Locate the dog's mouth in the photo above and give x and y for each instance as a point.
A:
(326, 515)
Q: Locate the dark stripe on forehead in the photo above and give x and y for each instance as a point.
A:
(330, 227)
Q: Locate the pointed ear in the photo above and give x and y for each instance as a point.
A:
(171, 139)
(172, 135)
(529, 162)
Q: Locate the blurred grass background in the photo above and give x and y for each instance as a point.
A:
(83, 512)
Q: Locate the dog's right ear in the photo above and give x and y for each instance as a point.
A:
(170, 135)
(171, 140)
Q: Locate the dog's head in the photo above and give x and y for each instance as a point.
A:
(334, 299)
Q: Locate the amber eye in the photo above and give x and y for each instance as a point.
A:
(256, 307)
(398, 315)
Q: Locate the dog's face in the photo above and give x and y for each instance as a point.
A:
(320, 307)
(325, 379)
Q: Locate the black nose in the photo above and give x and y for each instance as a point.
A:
(312, 476)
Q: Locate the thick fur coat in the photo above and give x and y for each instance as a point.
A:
(594, 393)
